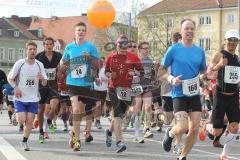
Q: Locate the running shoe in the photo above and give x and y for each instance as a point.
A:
(167, 141)
(108, 136)
(25, 146)
(120, 147)
(41, 139)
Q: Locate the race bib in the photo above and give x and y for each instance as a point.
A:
(10, 98)
(51, 73)
(64, 93)
(79, 72)
(232, 74)
(30, 82)
(124, 93)
(136, 90)
(191, 86)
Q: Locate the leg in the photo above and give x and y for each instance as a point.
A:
(194, 125)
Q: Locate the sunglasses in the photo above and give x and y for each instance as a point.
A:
(232, 39)
(132, 46)
(145, 48)
(123, 44)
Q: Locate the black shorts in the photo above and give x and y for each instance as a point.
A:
(187, 104)
(225, 104)
(46, 94)
(65, 99)
(119, 106)
(85, 92)
(157, 99)
(167, 104)
(9, 103)
(1, 98)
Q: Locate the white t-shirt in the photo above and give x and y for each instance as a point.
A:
(26, 77)
(104, 82)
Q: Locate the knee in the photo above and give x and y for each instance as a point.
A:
(233, 128)
(76, 110)
(182, 128)
(21, 119)
(193, 131)
(148, 108)
(217, 132)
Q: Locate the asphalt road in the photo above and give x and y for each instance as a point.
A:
(56, 148)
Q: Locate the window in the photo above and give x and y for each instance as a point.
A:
(16, 33)
(153, 24)
(153, 46)
(1, 53)
(0, 32)
(10, 54)
(201, 20)
(230, 19)
(20, 53)
(207, 44)
(205, 20)
(169, 22)
(208, 20)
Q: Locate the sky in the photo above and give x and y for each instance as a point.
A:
(60, 8)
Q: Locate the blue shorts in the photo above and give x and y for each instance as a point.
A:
(31, 107)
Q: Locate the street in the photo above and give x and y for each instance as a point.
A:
(56, 148)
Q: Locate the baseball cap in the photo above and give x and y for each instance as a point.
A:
(232, 33)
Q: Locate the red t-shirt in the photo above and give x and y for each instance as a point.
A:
(62, 83)
(121, 64)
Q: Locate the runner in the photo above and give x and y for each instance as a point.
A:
(49, 94)
(3, 80)
(80, 61)
(184, 78)
(8, 92)
(100, 85)
(144, 100)
(120, 66)
(24, 78)
(226, 100)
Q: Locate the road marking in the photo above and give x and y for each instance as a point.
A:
(198, 150)
(9, 151)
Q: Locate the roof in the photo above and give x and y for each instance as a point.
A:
(23, 28)
(170, 6)
(61, 27)
(8, 25)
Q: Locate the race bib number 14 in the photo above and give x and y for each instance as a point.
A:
(79, 72)
(232, 74)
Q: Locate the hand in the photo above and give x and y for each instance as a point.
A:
(4, 91)
(113, 75)
(131, 72)
(177, 81)
(86, 54)
(17, 92)
(40, 76)
(223, 61)
(98, 81)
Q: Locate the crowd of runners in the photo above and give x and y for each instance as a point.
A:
(180, 92)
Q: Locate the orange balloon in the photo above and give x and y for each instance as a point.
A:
(101, 14)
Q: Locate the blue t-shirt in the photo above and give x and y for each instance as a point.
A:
(187, 62)
(9, 89)
(80, 72)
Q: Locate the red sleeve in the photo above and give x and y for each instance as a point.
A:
(108, 63)
(137, 63)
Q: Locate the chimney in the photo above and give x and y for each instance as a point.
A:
(14, 17)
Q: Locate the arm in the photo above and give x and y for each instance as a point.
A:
(217, 62)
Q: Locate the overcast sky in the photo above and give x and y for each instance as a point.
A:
(61, 8)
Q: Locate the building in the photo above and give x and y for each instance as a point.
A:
(213, 18)
(13, 37)
(62, 30)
